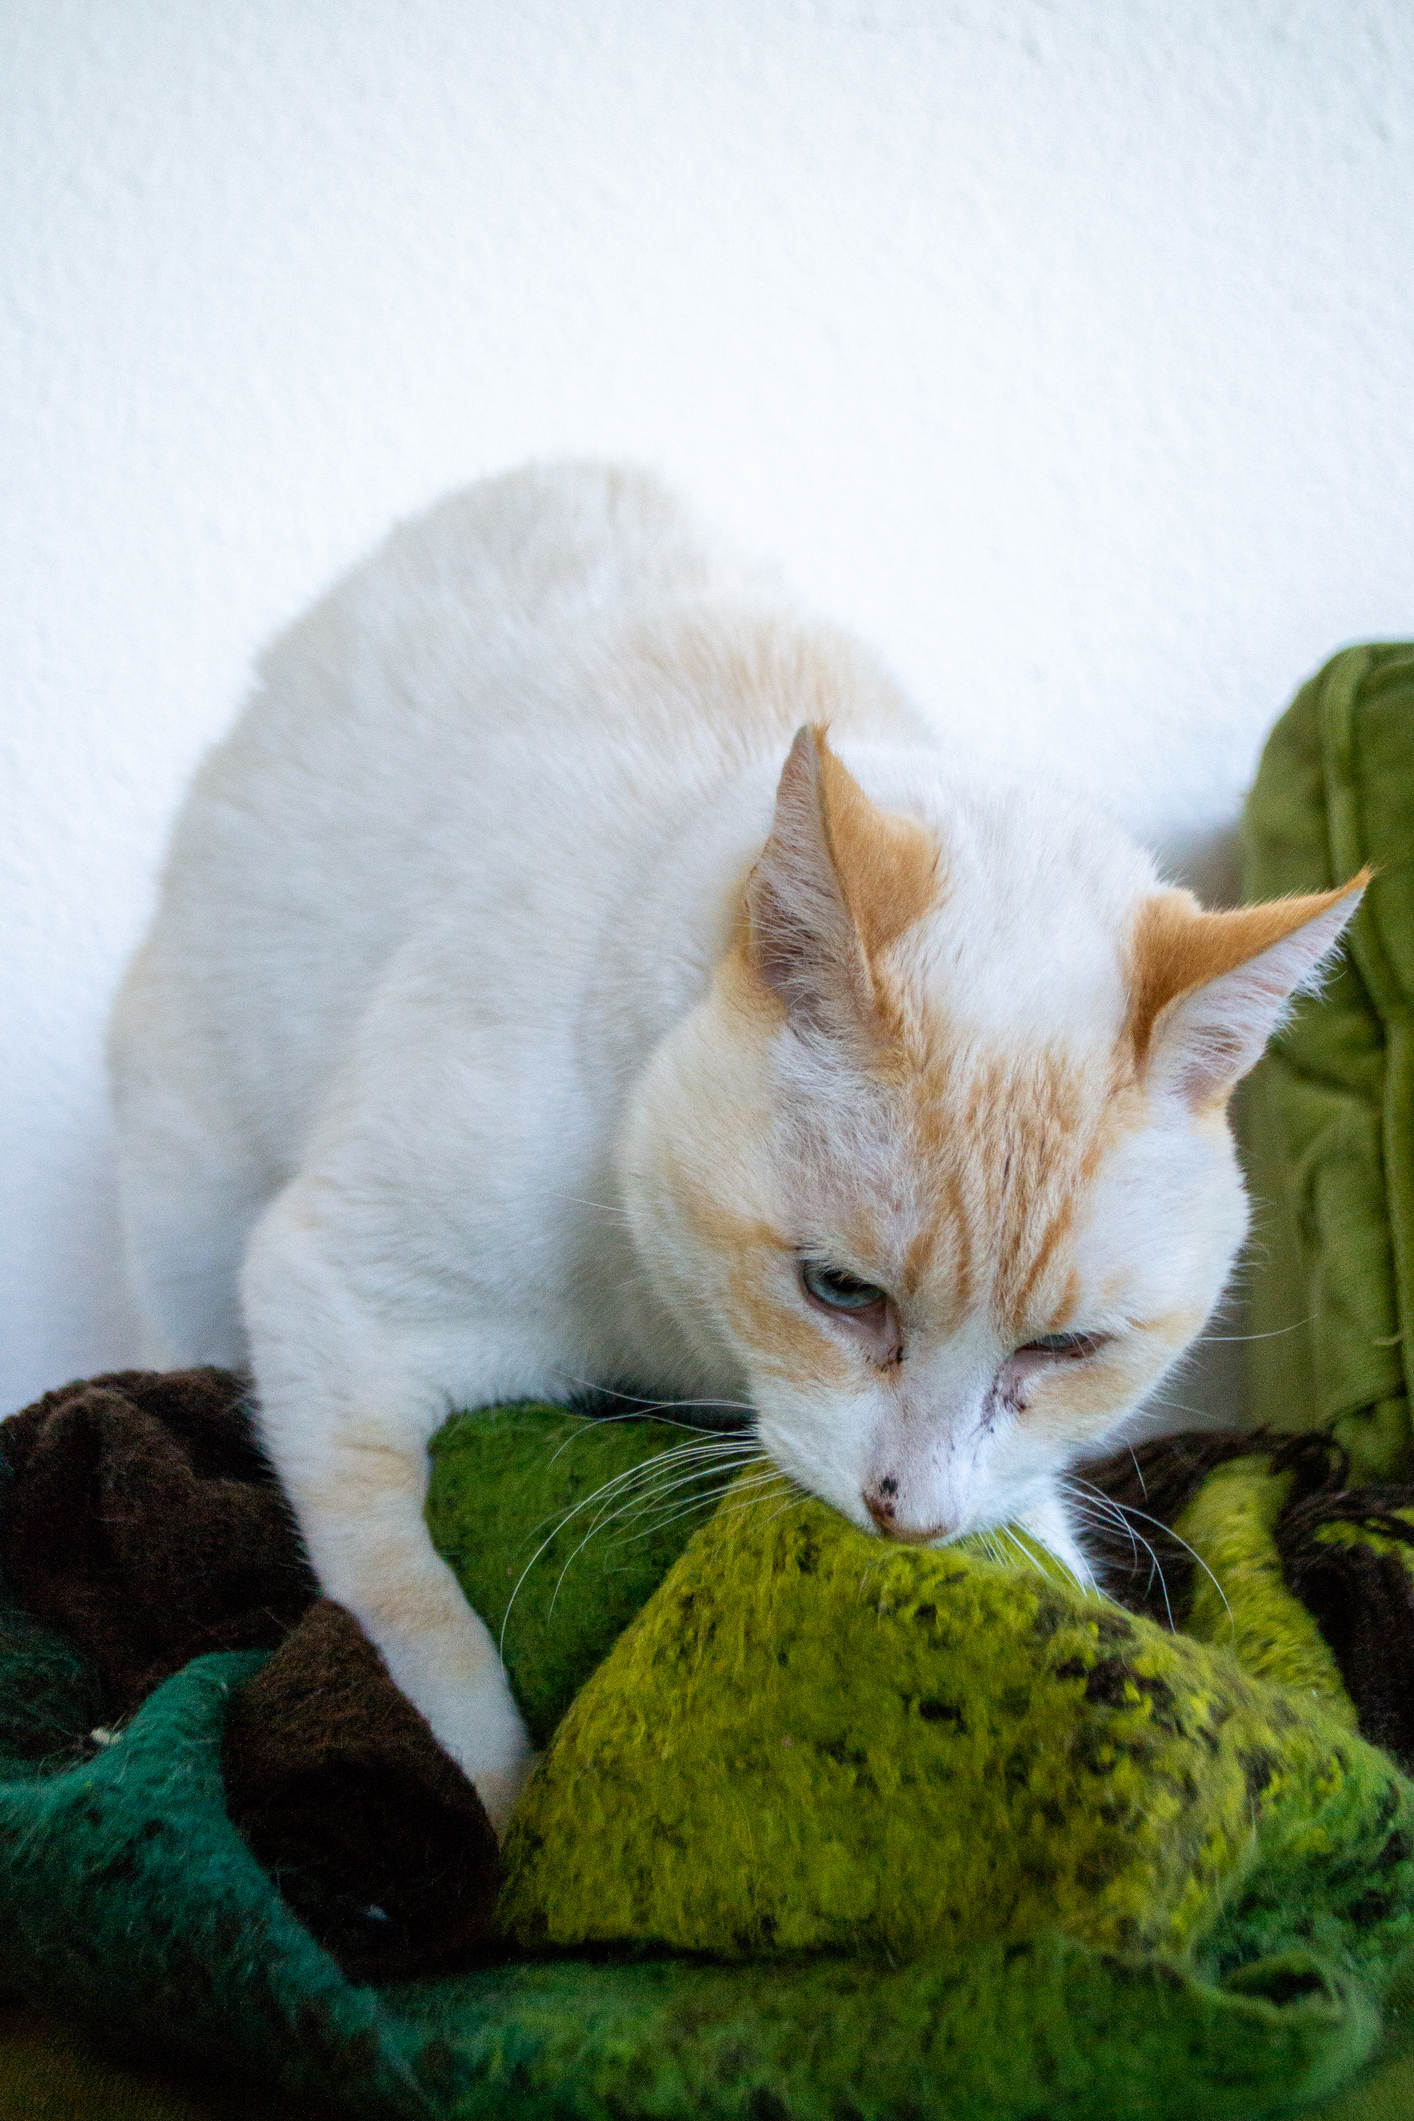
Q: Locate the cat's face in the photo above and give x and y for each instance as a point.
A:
(943, 1158)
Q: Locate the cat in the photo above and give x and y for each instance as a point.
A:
(576, 966)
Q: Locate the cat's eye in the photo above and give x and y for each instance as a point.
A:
(837, 1290)
(1069, 1347)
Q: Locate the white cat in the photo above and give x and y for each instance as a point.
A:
(577, 967)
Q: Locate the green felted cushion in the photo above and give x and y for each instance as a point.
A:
(1328, 1115)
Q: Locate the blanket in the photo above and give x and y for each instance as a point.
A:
(1119, 1875)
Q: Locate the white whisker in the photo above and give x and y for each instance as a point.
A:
(602, 1207)
(699, 1502)
(638, 1502)
(1129, 1510)
(1275, 1334)
(622, 1480)
(1136, 1540)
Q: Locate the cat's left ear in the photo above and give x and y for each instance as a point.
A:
(837, 882)
(1209, 989)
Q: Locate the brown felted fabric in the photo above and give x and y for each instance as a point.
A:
(144, 1521)
(375, 1837)
(1358, 1586)
(1362, 1600)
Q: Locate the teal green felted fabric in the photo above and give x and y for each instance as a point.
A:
(1328, 1115)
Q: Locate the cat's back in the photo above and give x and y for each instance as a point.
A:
(422, 687)
(388, 748)
(511, 691)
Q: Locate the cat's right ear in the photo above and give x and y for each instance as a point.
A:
(1211, 988)
(837, 881)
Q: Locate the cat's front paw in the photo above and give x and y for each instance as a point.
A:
(499, 1790)
(453, 1676)
(485, 1735)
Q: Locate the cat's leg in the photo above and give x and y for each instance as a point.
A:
(351, 1390)
(187, 1203)
(183, 1234)
(191, 1179)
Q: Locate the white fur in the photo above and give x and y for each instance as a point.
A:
(424, 1039)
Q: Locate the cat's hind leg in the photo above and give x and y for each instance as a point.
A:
(187, 1209)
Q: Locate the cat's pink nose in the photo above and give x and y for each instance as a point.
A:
(882, 1504)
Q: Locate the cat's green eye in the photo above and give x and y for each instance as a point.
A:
(1072, 1346)
(837, 1290)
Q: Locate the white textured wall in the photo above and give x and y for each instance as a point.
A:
(1064, 348)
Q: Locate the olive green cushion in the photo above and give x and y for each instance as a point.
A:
(1328, 1115)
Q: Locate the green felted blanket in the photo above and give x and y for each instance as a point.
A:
(991, 1848)
(1328, 1115)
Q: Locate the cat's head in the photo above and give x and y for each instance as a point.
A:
(943, 1158)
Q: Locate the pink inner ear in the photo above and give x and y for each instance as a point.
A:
(1206, 1039)
(804, 943)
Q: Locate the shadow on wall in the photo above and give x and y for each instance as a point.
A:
(1209, 862)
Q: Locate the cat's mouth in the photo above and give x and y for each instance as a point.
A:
(935, 1536)
(884, 1513)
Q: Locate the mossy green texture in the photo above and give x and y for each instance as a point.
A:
(1328, 1115)
(129, 1899)
(809, 1741)
(1239, 1599)
(559, 1525)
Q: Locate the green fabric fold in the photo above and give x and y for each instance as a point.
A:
(1328, 1115)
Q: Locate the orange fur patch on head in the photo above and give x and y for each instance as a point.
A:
(1008, 1143)
(837, 882)
(1056, 1122)
(888, 866)
(1175, 947)
(782, 1336)
(783, 1339)
(1005, 1147)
